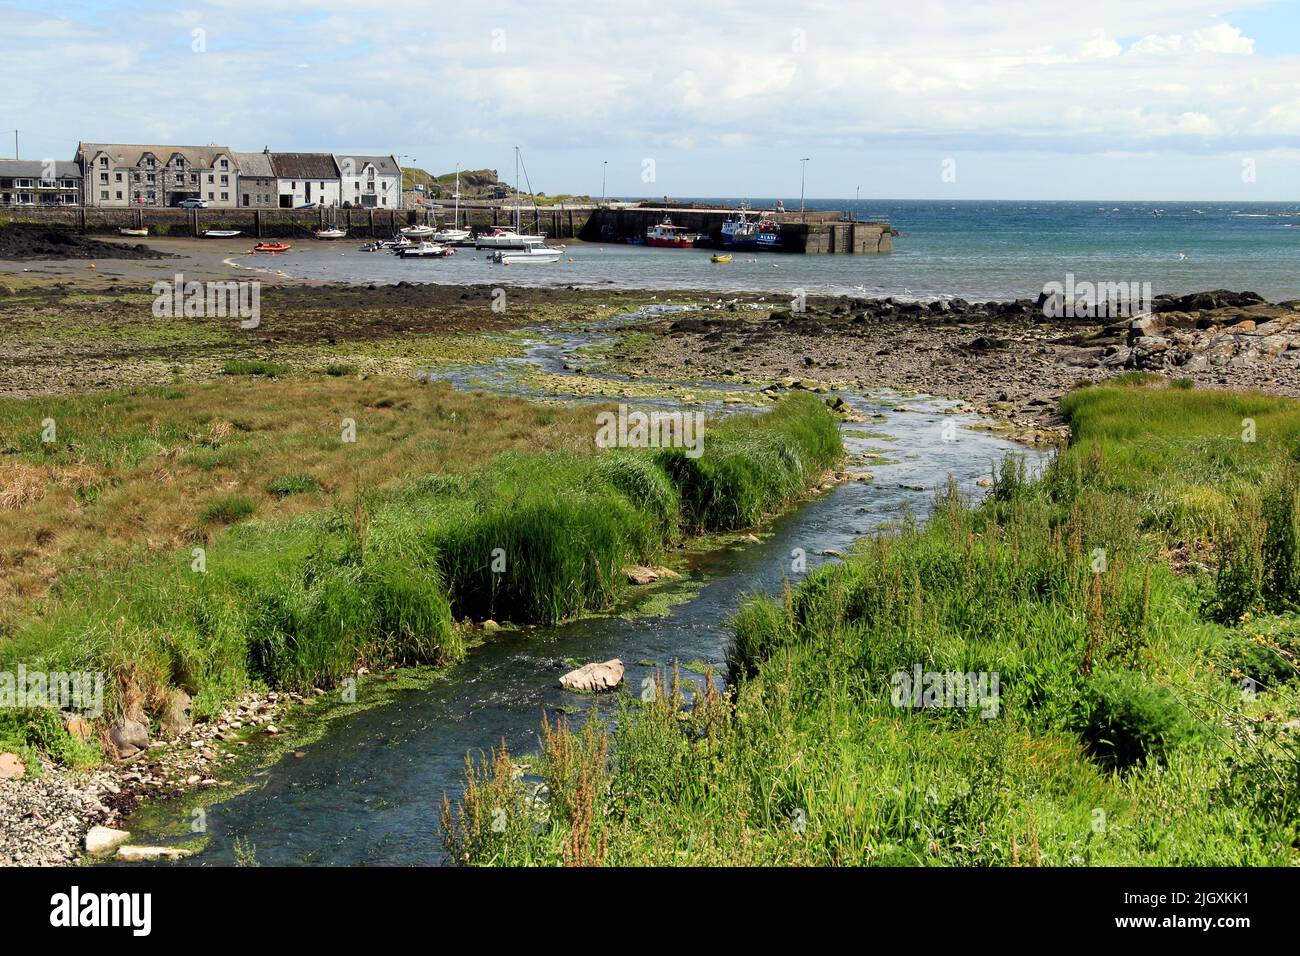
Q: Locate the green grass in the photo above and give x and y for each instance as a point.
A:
(382, 580)
(1121, 735)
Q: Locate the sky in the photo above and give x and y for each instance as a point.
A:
(945, 99)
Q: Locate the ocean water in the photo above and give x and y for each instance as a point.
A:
(973, 249)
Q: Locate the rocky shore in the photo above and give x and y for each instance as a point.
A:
(48, 813)
(1009, 360)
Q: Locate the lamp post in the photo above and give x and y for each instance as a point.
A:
(604, 168)
(803, 171)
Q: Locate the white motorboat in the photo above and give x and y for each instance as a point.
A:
(500, 238)
(220, 233)
(534, 250)
(418, 232)
(331, 233)
(425, 250)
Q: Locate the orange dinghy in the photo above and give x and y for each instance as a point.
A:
(272, 247)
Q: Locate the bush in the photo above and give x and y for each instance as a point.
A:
(1128, 719)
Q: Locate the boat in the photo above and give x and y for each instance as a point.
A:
(500, 238)
(667, 236)
(418, 232)
(743, 232)
(272, 247)
(532, 254)
(125, 231)
(331, 233)
(220, 233)
(720, 257)
(455, 235)
(425, 250)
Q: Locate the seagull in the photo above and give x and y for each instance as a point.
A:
(1183, 256)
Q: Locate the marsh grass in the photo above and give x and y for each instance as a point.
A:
(1121, 735)
(380, 576)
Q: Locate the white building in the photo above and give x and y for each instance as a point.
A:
(370, 182)
(306, 179)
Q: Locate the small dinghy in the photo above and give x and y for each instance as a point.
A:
(220, 234)
(272, 247)
(125, 231)
(722, 258)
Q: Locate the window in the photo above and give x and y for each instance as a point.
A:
(245, 199)
(103, 178)
(23, 183)
(194, 178)
(103, 195)
(103, 162)
(152, 196)
(119, 177)
(119, 194)
(225, 196)
(136, 177)
(209, 195)
(150, 163)
(225, 164)
(225, 180)
(150, 177)
(211, 178)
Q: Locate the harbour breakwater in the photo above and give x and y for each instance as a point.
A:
(813, 233)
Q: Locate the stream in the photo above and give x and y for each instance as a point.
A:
(368, 792)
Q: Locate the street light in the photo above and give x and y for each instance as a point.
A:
(803, 171)
(604, 167)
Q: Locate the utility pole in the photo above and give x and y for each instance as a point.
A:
(803, 171)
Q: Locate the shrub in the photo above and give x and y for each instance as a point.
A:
(1127, 719)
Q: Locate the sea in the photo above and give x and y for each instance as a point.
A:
(977, 250)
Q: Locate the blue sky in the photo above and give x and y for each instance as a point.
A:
(960, 99)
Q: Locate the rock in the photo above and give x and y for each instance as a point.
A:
(491, 625)
(140, 854)
(11, 768)
(103, 839)
(644, 575)
(984, 482)
(175, 719)
(594, 678)
(129, 737)
(77, 726)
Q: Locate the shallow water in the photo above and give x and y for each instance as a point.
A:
(977, 250)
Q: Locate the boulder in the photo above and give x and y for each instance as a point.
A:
(103, 839)
(646, 575)
(11, 768)
(129, 737)
(594, 678)
(175, 718)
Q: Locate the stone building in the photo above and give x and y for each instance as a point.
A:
(258, 187)
(117, 174)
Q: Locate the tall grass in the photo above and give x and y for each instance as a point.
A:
(1120, 734)
(532, 538)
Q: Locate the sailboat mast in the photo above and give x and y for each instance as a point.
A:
(455, 219)
(516, 189)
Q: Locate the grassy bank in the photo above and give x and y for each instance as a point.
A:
(367, 556)
(1121, 601)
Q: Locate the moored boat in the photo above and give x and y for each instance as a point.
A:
(533, 250)
(425, 250)
(220, 233)
(127, 231)
(418, 232)
(722, 257)
(667, 236)
(331, 233)
(743, 232)
(272, 247)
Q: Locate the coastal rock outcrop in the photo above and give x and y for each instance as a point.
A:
(1204, 340)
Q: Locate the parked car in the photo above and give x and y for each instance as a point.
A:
(193, 204)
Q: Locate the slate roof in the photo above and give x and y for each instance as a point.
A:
(132, 154)
(304, 166)
(255, 164)
(35, 169)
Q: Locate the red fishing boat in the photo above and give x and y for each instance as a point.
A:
(272, 247)
(669, 236)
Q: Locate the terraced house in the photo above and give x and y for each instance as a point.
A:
(119, 174)
(30, 182)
